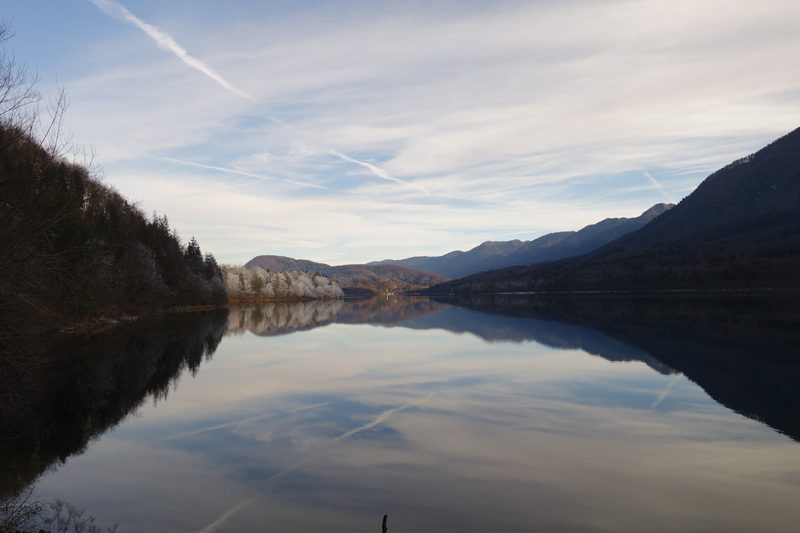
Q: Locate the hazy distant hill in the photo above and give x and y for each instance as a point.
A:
(739, 228)
(549, 247)
(355, 278)
(279, 263)
(458, 263)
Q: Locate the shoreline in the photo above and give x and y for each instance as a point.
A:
(101, 324)
(641, 292)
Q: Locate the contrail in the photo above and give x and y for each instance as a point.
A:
(666, 390)
(224, 518)
(378, 420)
(659, 187)
(239, 422)
(383, 417)
(379, 171)
(165, 42)
(231, 171)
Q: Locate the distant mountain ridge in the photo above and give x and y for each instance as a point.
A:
(355, 278)
(497, 254)
(739, 229)
(417, 273)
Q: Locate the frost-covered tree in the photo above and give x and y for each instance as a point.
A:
(257, 284)
(245, 284)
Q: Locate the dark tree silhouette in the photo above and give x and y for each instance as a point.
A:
(72, 247)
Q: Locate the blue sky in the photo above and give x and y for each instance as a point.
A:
(347, 132)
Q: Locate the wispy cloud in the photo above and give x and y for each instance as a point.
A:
(379, 172)
(381, 418)
(232, 171)
(499, 113)
(165, 42)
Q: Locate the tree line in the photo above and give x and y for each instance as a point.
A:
(256, 284)
(71, 246)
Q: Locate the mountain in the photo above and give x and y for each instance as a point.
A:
(497, 254)
(456, 264)
(566, 244)
(279, 263)
(739, 229)
(74, 250)
(353, 279)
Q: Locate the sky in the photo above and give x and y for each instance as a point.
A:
(349, 131)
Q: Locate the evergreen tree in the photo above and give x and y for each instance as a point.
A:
(211, 269)
(193, 256)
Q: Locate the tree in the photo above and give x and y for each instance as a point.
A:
(17, 88)
(211, 269)
(70, 245)
(193, 256)
(257, 284)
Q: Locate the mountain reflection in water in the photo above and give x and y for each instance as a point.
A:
(474, 414)
(743, 350)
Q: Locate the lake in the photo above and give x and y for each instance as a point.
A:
(494, 413)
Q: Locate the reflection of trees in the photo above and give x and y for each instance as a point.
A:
(743, 350)
(282, 317)
(277, 318)
(81, 386)
(388, 310)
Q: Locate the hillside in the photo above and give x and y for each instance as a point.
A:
(457, 263)
(739, 229)
(278, 263)
(355, 278)
(497, 254)
(73, 249)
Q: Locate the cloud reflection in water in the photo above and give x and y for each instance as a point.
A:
(335, 426)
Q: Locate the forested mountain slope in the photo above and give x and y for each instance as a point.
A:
(739, 229)
(73, 248)
(548, 247)
(579, 242)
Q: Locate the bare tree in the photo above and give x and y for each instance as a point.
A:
(18, 90)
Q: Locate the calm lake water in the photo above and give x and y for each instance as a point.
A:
(492, 414)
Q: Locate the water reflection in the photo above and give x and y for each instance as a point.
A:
(282, 317)
(279, 318)
(744, 350)
(484, 414)
(80, 387)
